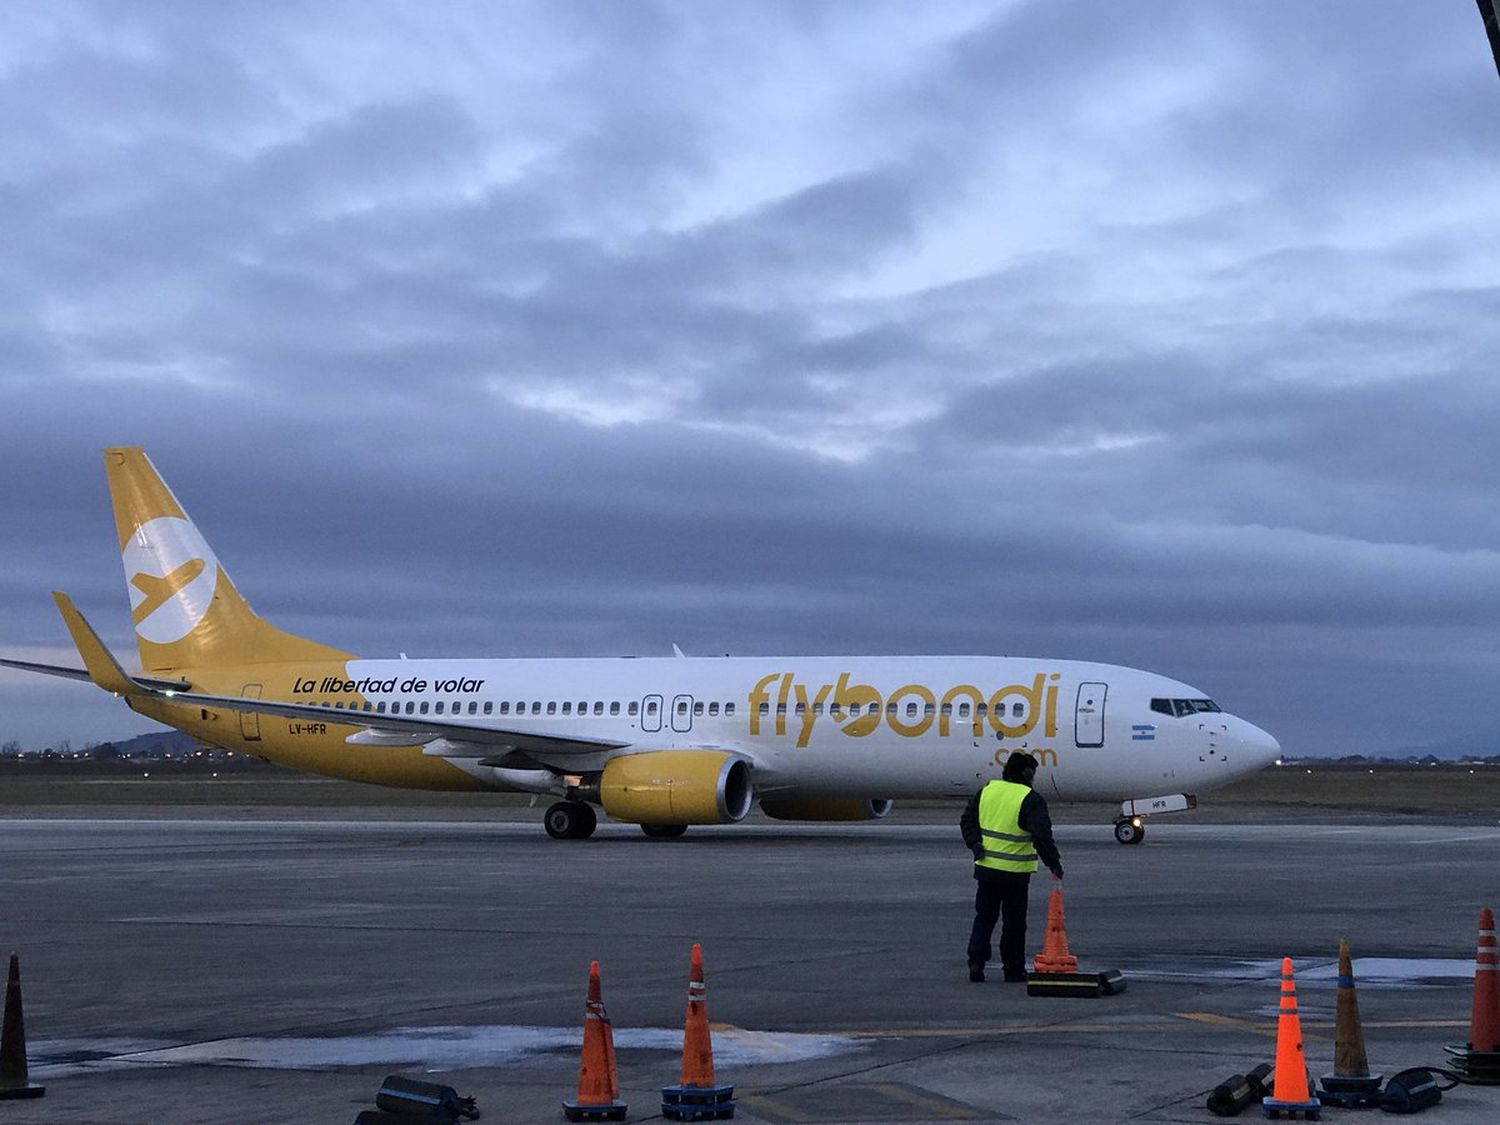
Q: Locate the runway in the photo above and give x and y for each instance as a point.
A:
(219, 969)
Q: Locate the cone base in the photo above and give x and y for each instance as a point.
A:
(697, 1103)
(609, 1111)
(1350, 1092)
(1352, 1084)
(1088, 985)
(1482, 1068)
(14, 1093)
(1310, 1110)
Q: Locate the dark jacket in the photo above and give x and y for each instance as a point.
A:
(1034, 818)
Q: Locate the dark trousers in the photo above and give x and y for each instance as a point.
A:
(1000, 896)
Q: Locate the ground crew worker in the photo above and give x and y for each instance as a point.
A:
(1007, 827)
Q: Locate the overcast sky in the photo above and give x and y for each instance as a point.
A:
(1162, 334)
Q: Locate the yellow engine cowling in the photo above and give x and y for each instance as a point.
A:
(827, 808)
(676, 787)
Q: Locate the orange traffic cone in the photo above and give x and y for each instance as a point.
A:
(1351, 1085)
(1480, 1061)
(598, 1084)
(1290, 1097)
(696, 1098)
(1054, 957)
(1054, 971)
(14, 1076)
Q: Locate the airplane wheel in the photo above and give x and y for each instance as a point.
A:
(664, 831)
(1129, 831)
(570, 820)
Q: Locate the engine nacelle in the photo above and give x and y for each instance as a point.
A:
(828, 808)
(676, 787)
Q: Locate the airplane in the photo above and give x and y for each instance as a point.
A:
(663, 743)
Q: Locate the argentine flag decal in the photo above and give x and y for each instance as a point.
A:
(1143, 732)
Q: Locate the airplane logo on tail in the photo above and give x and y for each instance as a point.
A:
(158, 590)
(173, 575)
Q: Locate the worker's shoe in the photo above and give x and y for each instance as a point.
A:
(976, 974)
(1015, 976)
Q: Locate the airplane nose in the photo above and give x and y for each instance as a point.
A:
(1261, 744)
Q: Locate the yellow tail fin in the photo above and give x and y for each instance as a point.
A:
(187, 613)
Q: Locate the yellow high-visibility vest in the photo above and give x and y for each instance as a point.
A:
(1006, 846)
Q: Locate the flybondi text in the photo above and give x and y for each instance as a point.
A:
(782, 703)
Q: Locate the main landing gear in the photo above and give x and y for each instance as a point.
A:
(664, 831)
(571, 820)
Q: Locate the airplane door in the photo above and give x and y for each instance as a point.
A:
(249, 720)
(1088, 717)
(651, 713)
(682, 713)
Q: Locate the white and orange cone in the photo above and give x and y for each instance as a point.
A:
(696, 1097)
(598, 1082)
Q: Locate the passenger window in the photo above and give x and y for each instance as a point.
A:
(536, 706)
(892, 708)
(911, 710)
(568, 707)
(981, 708)
(634, 708)
(800, 709)
(963, 710)
(1017, 710)
(927, 708)
(504, 707)
(614, 708)
(697, 708)
(853, 710)
(551, 708)
(339, 706)
(488, 707)
(729, 708)
(599, 707)
(651, 707)
(410, 706)
(381, 708)
(817, 708)
(765, 708)
(438, 708)
(473, 707)
(947, 708)
(423, 708)
(713, 709)
(781, 708)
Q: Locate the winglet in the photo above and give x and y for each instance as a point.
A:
(103, 668)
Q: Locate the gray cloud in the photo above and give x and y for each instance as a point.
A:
(1160, 336)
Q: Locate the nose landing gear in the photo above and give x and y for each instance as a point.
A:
(1130, 825)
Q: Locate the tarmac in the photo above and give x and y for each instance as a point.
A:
(219, 968)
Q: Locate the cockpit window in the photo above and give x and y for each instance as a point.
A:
(1183, 707)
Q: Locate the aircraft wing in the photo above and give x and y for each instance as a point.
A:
(82, 674)
(105, 671)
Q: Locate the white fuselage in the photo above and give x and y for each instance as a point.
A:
(887, 727)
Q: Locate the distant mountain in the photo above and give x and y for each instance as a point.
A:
(158, 742)
(1477, 744)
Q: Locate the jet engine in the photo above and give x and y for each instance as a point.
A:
(827, 808)
(676, 787)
